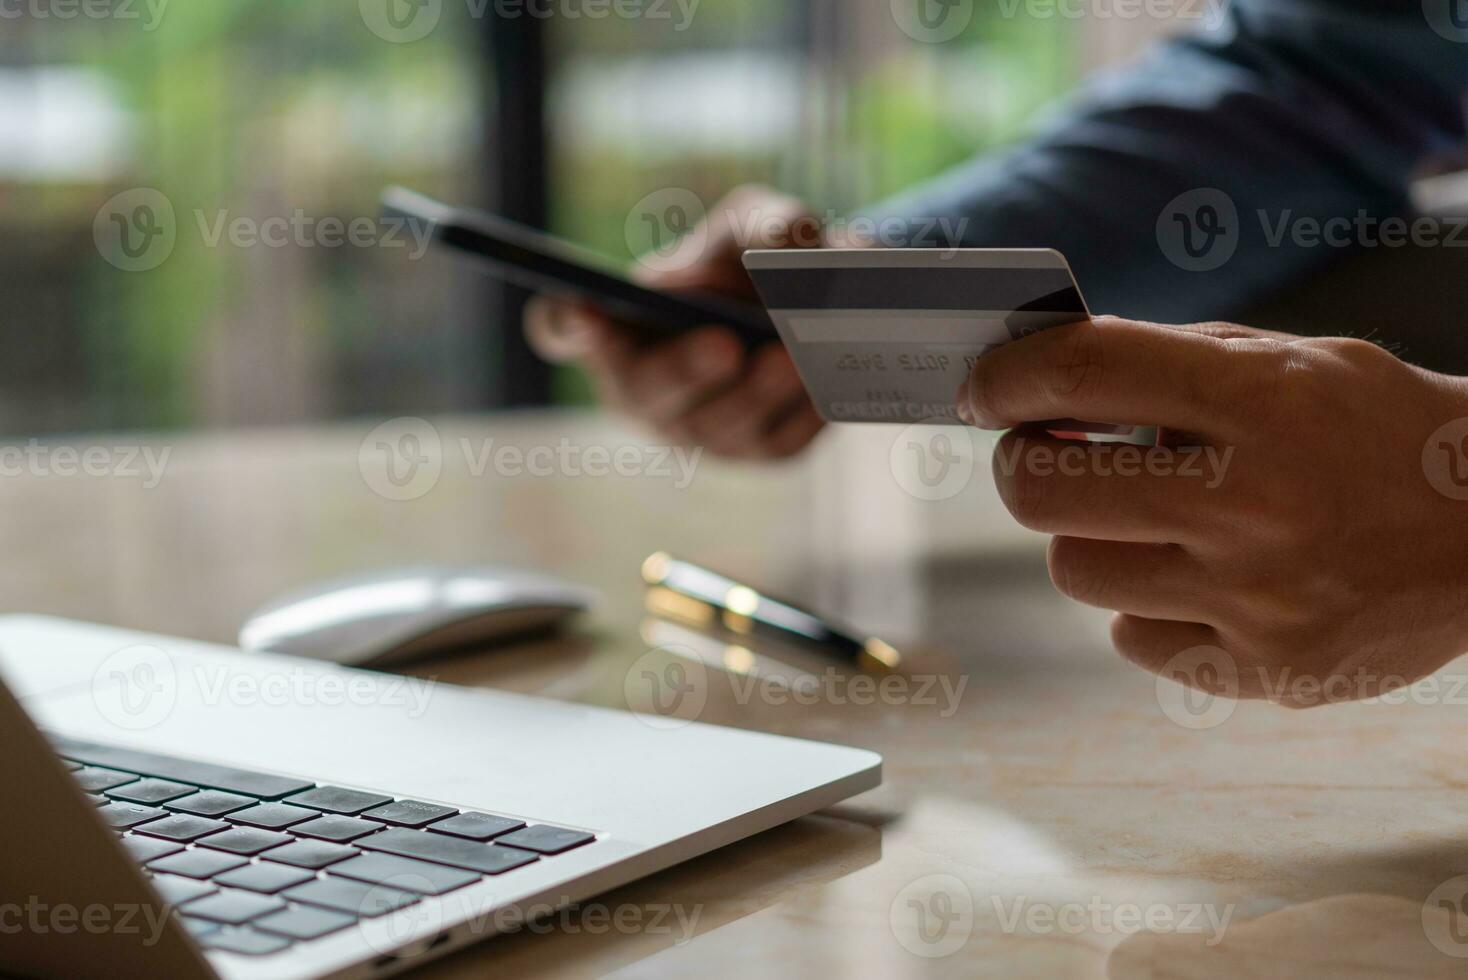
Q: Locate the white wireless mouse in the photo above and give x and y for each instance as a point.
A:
(395, 617)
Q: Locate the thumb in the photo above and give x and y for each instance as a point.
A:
(709, 257)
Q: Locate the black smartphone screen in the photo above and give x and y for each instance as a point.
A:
(540, 262)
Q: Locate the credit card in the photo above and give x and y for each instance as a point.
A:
(888, 335)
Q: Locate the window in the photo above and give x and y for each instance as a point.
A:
(190, 190)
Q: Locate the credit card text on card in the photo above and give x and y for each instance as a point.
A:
(889, 335)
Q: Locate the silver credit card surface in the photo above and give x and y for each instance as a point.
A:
(889, 335)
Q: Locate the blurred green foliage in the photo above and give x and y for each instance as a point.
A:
(231, 101)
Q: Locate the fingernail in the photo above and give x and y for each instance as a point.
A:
(965, 410)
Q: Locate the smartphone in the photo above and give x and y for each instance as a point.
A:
(545, 264)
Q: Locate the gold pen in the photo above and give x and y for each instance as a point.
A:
(694, 595)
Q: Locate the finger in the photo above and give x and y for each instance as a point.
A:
(1190, 653)
(738, 420)
(664, 382)
(749, 217)
(756, 444)
(1235, 331)
(1157, 581)
(608, 354)
(1109, 492)
(1194, 655)
(756, 216)
(1108, 370)
(559, 331)
(796, 432)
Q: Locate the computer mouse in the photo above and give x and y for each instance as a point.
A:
(395, 617)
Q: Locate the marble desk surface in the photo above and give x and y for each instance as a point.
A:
(1047, 811)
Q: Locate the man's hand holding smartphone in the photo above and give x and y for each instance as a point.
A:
(699, 388)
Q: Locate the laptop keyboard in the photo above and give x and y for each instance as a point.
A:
(255, 863)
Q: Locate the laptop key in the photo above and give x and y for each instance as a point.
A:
(120, 816)
(97, 780)
(176, 891)
(357, 898)
(313, 854)
(264, 877)
(304, 923)
(545, 839)
(404, 874)
(151, 791)
(208, 775)
(336, 828)
(97, 800)
(334, 799)
(476, 826)
(232, 908)
(145, 849)
(245, 942)
(182, 827)
(410, 813)
(484, 858)
(248, 841)
(272, 816)
(199, 928)
(210, 803)
(197, 863)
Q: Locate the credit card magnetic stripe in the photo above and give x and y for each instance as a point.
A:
(949, 288)
(936, 329)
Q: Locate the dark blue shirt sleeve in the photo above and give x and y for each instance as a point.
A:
(1294, 110)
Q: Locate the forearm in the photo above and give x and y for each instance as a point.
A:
(1296, 110)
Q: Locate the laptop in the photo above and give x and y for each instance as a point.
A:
(180, 809)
